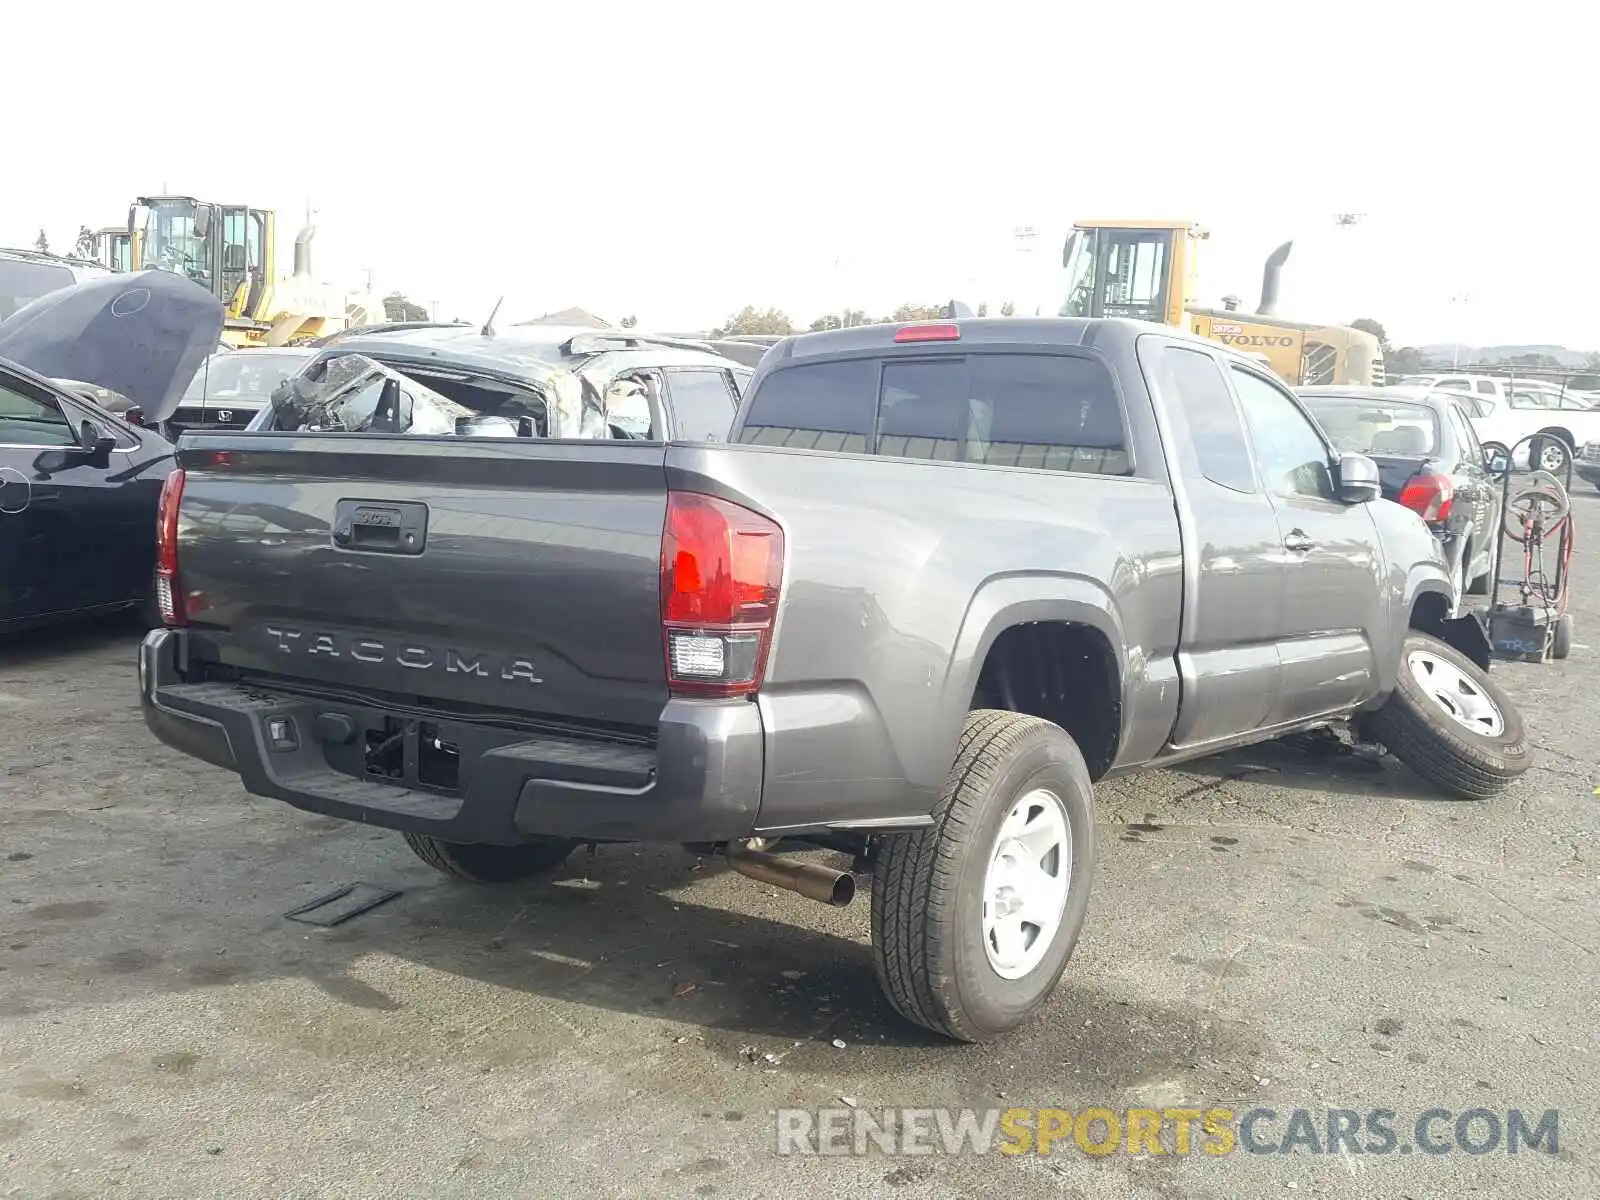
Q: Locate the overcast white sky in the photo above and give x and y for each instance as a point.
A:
(679, 161)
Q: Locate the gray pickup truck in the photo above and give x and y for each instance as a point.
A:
(942, 578)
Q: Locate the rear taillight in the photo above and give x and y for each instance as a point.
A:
(169, 592)
(721, 569)
(1429, 496)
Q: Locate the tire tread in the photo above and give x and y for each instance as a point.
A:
(516, 862)
(1427, 743)
(916, 873)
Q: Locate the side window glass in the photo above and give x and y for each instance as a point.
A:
(1196, 384)
(1486, 387)
(26, 421)
(1289, 449)
(741, 382)
(702, 403)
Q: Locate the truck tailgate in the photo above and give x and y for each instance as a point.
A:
(518, 576)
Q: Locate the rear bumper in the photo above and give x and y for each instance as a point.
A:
(700, 782)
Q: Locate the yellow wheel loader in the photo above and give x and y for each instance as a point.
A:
(231, 251)
(1146, 270)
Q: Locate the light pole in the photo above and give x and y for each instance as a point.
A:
(1462, 299)
(1026, 238)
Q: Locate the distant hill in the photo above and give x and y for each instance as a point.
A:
(1449, 351)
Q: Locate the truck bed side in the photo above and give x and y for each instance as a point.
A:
(901, 576)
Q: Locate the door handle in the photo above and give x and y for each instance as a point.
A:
(1297, 541)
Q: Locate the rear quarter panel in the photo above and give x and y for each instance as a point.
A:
(899, 576)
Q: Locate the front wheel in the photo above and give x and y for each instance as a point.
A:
(491, 864)
(1450, 722)
(974, 919)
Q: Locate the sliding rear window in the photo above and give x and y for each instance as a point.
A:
(1052, 412)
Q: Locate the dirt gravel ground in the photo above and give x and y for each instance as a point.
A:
(1267, 930)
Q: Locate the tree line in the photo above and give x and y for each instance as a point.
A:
(753, 320)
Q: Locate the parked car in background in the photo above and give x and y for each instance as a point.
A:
(1496, 387)
(230, 388)
(1505, 410)
(1587, 465)
(80, 486)
(28, 274)
(78, 493)
(1429, 460)
(537, 380)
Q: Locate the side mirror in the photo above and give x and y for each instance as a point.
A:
(97, 454)
(1496, 463)
(1358, 479)
(133, 415)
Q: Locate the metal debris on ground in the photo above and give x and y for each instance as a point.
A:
(339, 905)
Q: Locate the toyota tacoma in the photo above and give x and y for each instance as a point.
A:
(940, 580)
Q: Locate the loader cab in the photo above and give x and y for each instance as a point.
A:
(226, 249)
(116, 249)
(1142, 270)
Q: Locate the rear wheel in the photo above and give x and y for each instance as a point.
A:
(974, 919)
(1450, 722)
(491, 864)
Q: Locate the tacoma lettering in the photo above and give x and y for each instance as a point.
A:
(411, 656)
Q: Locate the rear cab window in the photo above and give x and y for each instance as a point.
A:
(1042, 411)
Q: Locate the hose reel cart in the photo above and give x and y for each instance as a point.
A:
(1536, 517)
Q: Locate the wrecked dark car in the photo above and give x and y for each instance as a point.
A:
(539, 381)
(80, 479)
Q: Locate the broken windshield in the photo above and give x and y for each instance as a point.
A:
(352, 393)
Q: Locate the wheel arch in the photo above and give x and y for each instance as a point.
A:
(1050, 622)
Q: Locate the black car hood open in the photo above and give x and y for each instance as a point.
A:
(142, 335)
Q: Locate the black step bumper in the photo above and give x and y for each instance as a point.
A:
(700, 782)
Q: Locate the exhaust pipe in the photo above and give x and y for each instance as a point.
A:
(814, 882)
(1270, 279)
(302, 252)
